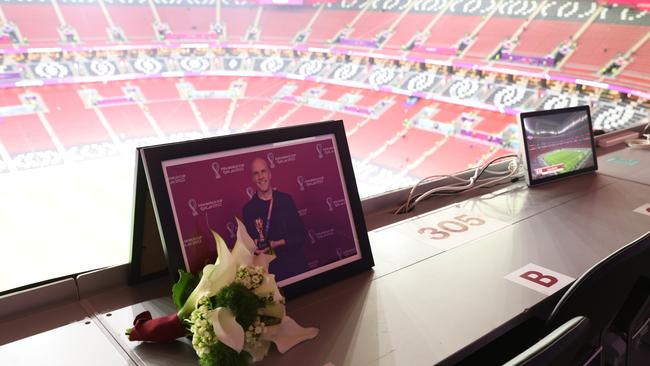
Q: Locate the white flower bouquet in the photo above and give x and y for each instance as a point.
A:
(233, 312)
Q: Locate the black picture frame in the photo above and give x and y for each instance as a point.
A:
(154, 156)
(523, 136)
(147, 253)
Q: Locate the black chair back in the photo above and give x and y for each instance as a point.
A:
(600, 293)
(558, 348)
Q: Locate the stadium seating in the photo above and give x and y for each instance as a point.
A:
(244, 111)
(446, 157)
(43, 32)
(277, 113)
(334, 92)
(372, 23)
(87, 20)
(495, 31)
(135, 21)
(449, 29)
(448, 112)
(127, 120)
(163, 112)
(281, 26)
(173, 116)
(407, 29)
(262, 87)
(213, 112)
(407, 149)
(328, 25)
(237, 21)
(541, 37)
(306, 114)
(610, 118)
(374, 134)
(187, 20)
(601, 43)
(639, 67)
(67, 116)
(170, 113)
(351, 122)
(492, 122)
(21, 134)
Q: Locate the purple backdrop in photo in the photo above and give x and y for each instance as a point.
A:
(209, 194)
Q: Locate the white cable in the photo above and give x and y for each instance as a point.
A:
(444, 188)
(427, 180)
(468, 184)
(428, 193)
(496, 180)
(497, 172)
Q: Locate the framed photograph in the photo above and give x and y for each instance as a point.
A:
(293, 188)
(557, 143)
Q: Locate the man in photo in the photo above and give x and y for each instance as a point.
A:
(272, 220)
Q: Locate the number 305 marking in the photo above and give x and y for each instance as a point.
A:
(444, 228)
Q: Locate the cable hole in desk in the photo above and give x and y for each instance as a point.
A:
(108, 314)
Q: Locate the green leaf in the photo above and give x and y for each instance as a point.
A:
(222, 355)
(183, 288)
(241, 301)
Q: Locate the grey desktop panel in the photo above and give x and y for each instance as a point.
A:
(394, 251)
(90, 283)
(104, 302)
(628, 164)
(425, 311)
(18, 303)
(59, 335)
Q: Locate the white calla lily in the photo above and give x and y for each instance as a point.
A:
(244, 248)
(226, 328)
(287, 334)
(258, 350)
(218, 276)
(263, 260)
(244, 238)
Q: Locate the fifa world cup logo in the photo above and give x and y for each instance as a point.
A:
(319, 150)
(330, 204)
(312, 236)
(271, 158)
(230, 226)
(250, 192)
(301, 182)
(339, 253)
(215, 168)
(193, 207)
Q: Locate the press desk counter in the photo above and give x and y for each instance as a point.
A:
(418, 306)
(627, 164)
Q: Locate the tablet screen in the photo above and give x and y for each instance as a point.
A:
(558, 143)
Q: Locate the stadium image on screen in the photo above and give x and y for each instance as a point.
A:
(558, 144)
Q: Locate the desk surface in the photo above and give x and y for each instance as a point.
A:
(628, 164)
(421, 305)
